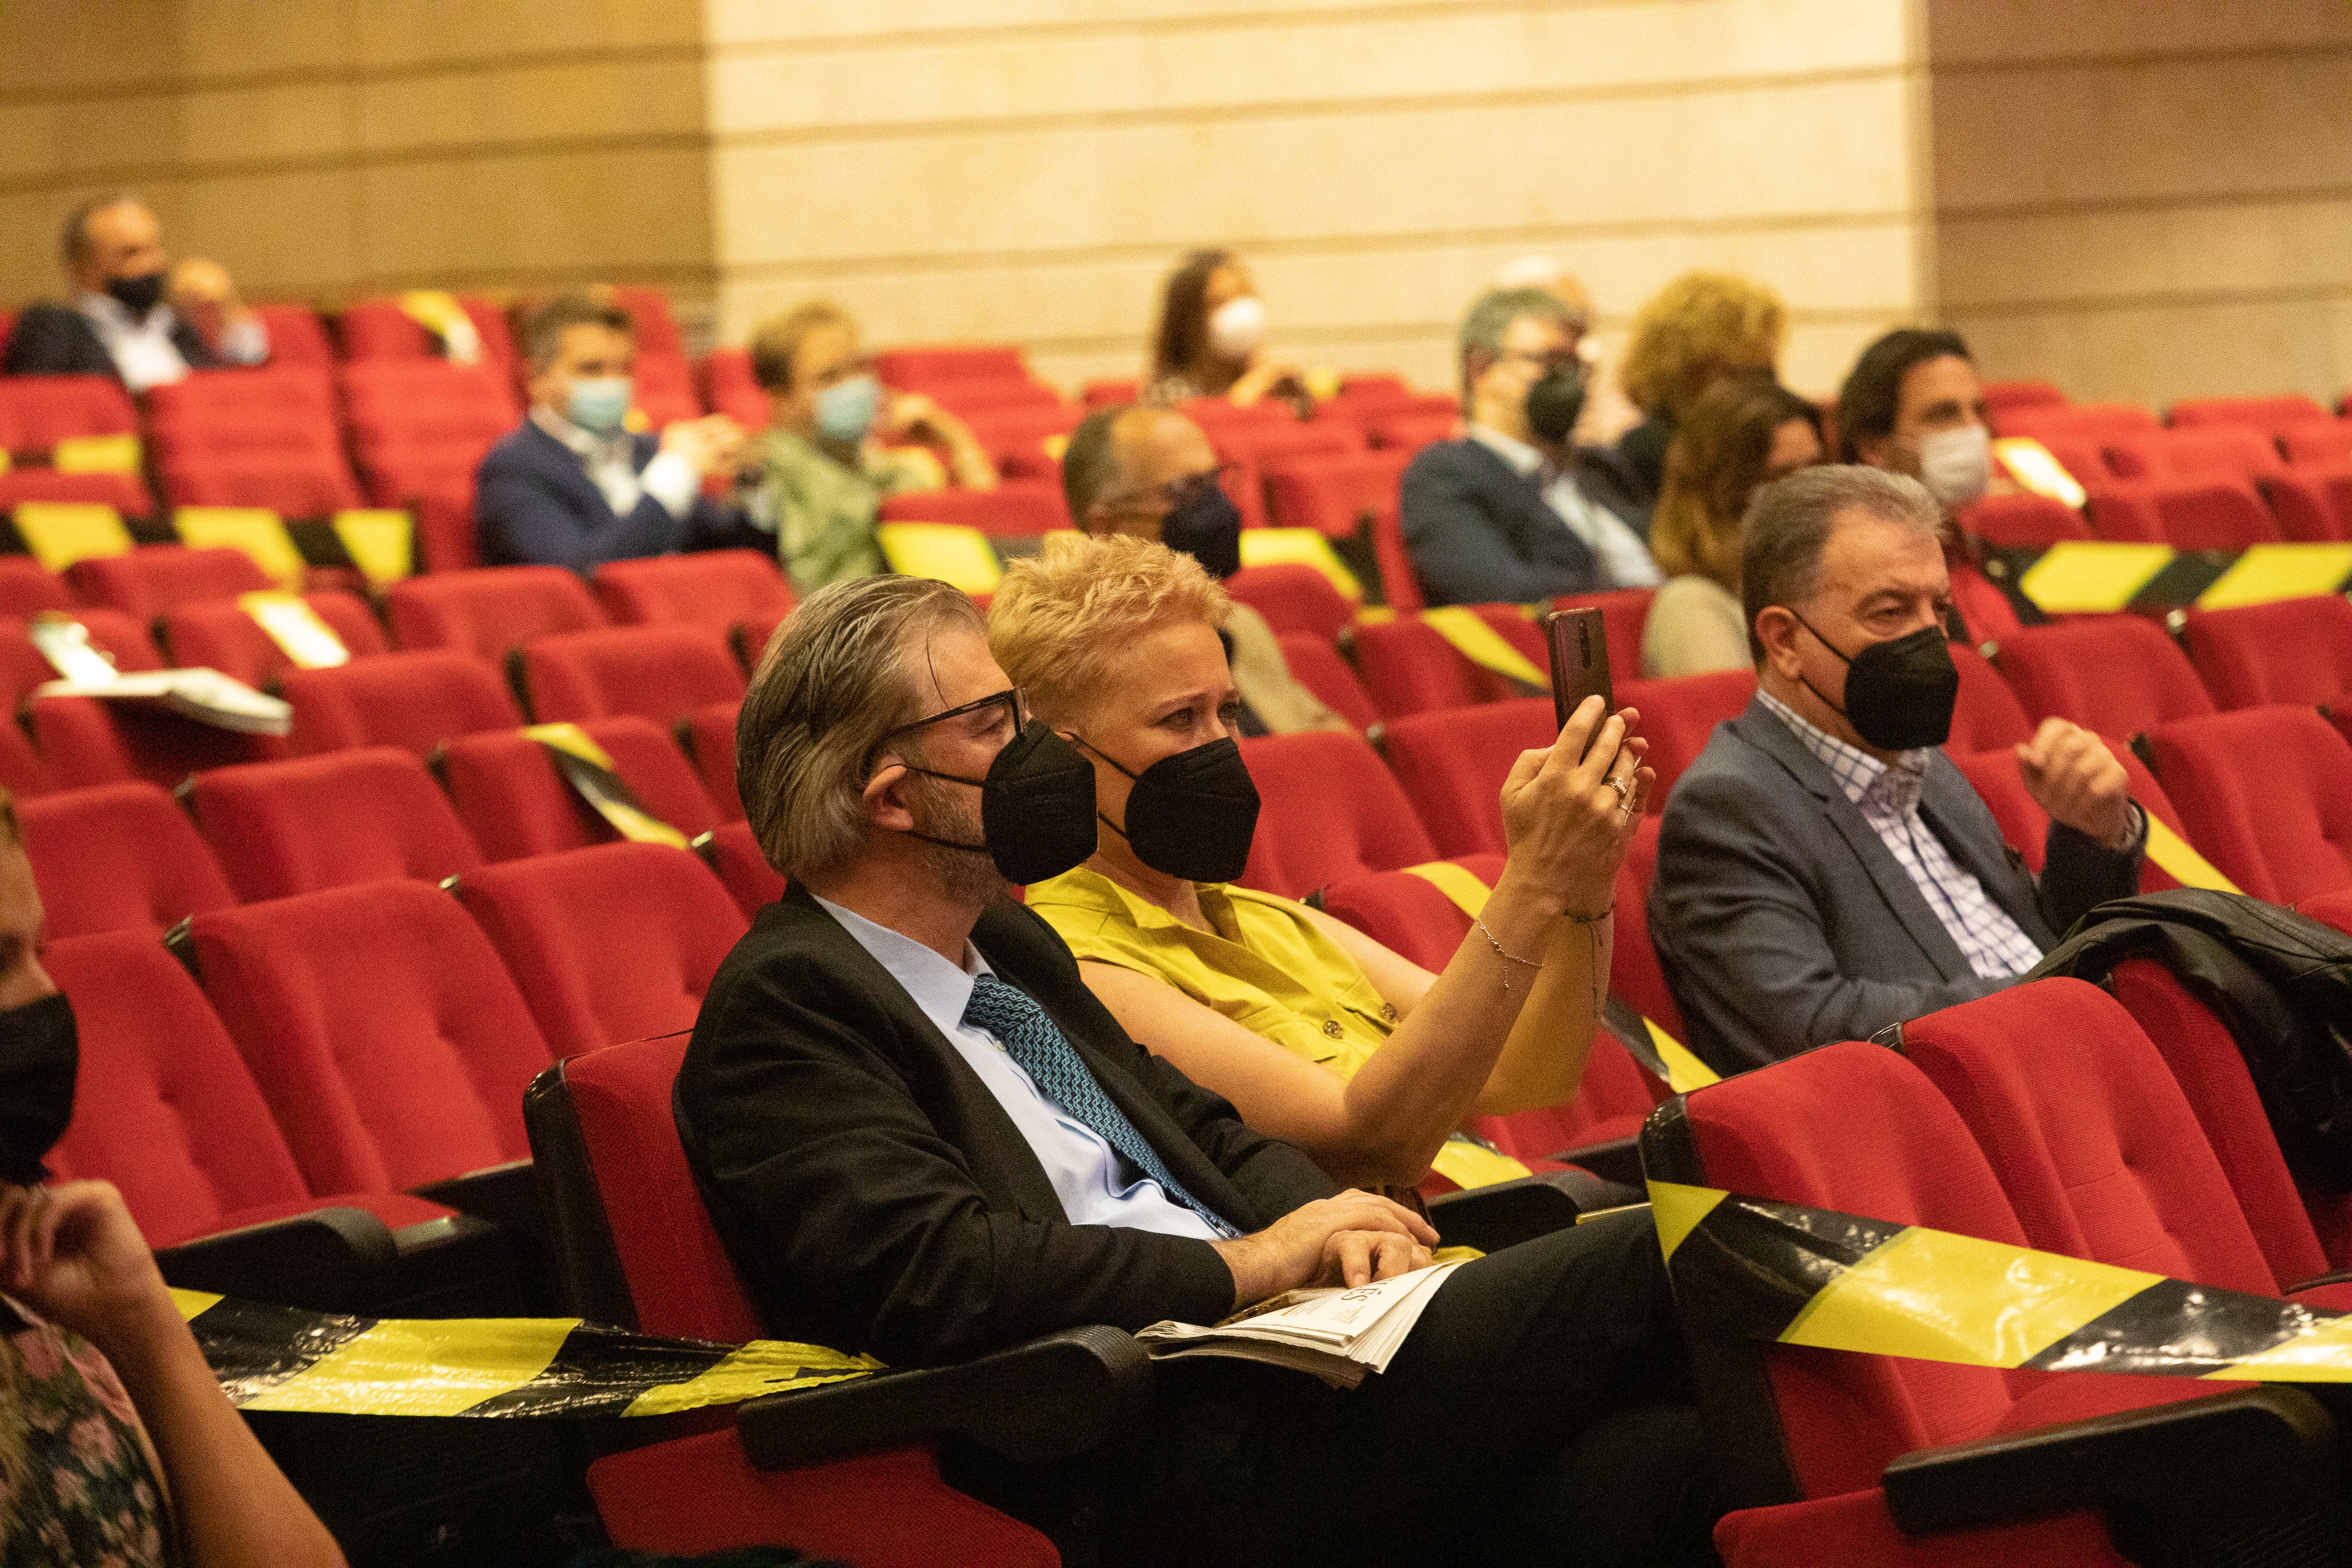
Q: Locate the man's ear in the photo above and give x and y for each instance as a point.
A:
(1777, 629)
(885, 796)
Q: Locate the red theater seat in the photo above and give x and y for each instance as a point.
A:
(2092, 420)
(297, 336)
(491, 612)
(38, 411)
(2002, 396)
(23, 773)
(2223, 450)
(1293, 598)
(155, 578)
(1328, 810)
(658, 673)
(507, 791)
(1409, 668)
(2313, 504)
(2118, 675)
(2186, 514)
(28, 588)
(385, 1034)
(2326, 442)
(1315, 663)
(218, 634)
(1987, 716)
(729, 387)
(265, 437)
(1634, 972)
(2294, 650)
(1996, 777)
(1019, 509)
(2263, 413)
(312, 822)
(126, 492)
(612, 943)
(1338, 494)
(730, 851)
(86, 740)
(2022, 520)
(117, 857)
(1409, 914)
(1452, 765)
(1679, 716)
(709, 733)
(2266, 795)
(414, 701)
(724, 589)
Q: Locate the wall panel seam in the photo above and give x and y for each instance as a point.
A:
(2150, 300)
(343, 160)
(2184, 201)
(20, 94)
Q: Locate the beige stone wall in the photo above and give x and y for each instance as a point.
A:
(1031, 168)
(327, 149)
(2147, 201)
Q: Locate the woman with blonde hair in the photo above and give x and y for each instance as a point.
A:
(1317, 1033)
(1740, 436)
(1695, 331)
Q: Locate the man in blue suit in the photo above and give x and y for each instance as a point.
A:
(1511, 512)
(574, 487)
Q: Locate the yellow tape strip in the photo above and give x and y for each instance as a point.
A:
(1482, 644)
(309, 643)
(2173, 855)
(1300, 546)
(60, 533)
(2269, 573)
(1468, 1165)
(1685, 1072)
(2083, 577)
(1676, 1210)
(191, 1303)
(96, 455)
(256, 530)
(381, 542)
(1467, 893)
(628, 819)
(2030, 465)
(571, 737)
(950, 552)
(758, 1368)
(423, 1366)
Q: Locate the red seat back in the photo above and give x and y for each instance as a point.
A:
(2325, 441)
(38, 411)
(1314, 663)
(1634, 972)
(612, 943)
(2263, 413)
(658, 673)
(28, 588)
(1986, 715)
(2088, 1134)
(1019, 509)
(117, 857)
(1293, 598)
(382, 1028)
(2079, 419)
(1409, 668)
(507, 791)
(1452, 764)
(2118, 675)
(709, 736)
(1679, 716)
(2293, 651)
(170, 1114)
(1406, 914)
(153, 579)
(218, 634)
(1999, 781)
(88, 740)
(735, 855)
(1337, 493)
(380, 330)
(711, 588)
(2022, 520)
(2222, 451)
(297, 336)
(490, 611)
(729, 387)
(126, 492)
(414, 701)
(2313, 504)
(1328, 811)
(2222, 514)
(312, 822)
(919, 367)
(2265, 794)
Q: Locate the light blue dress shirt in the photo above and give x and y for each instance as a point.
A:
(1094, 1182)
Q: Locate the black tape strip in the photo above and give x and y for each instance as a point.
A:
(2174, 1329)
(1758, 1265)
(2189, 574)
(1632, 1031)
(601, 1372)
(253, 1348)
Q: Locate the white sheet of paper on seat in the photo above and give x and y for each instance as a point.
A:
(201, 694)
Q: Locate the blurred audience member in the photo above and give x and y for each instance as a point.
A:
(1490, 517)
(1824, 869)
(824, 467)
(121, 1447)
(1741, 435)
(1317, 1033)
(1211, 340)
(1607, 412)
(1697, 330)
(1913, 403)
(573, 487)
(134, 316)
(1149, 473)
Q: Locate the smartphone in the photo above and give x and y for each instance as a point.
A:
(1579, 662)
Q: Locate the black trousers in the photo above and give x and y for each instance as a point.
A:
(1539, 1413)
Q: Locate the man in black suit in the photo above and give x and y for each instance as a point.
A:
(1823, 870)
(134, 315)
(573, 487)
(920, 1135)
(1512, 512)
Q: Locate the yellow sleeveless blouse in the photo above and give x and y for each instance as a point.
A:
(1264, 965)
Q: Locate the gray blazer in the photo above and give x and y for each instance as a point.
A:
(1783, 922)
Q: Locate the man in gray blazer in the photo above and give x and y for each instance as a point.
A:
(1823, 870)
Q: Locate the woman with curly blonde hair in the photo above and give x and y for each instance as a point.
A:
(1694, 332)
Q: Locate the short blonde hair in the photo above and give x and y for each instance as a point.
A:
(778, 340)
(1064, 618)
(1695, 330)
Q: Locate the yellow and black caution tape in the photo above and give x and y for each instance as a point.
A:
(2078, 577)
(588, 768)
(2174, 856)
(1479, 642)
(285, 1358)
(1754, 1268)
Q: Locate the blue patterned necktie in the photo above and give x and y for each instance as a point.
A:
(1031, 1038)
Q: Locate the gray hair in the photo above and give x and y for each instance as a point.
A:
(836, 679)
(1790, 522)
(542, 332)
(1491, 315)
(73, 237)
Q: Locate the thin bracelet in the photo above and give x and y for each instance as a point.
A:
(1590, 919)
(1497, 946)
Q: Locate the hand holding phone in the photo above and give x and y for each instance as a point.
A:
(1579, 663)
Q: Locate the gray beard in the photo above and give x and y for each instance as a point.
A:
(959, 876)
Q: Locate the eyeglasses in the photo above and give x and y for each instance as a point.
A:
(1171, 494)
(1010, 698)
(1558, 360)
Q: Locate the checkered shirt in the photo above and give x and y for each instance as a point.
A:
(1887, 795)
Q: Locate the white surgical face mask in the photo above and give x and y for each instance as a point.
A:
(1236, 327)
(1957, 464)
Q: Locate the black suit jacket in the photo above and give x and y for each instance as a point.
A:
(534, 504)
(876, 1196)
(1479, 532)
(1782, 920)
(59, 340)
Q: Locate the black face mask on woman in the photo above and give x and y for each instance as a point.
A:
(1192, 815)
(1205, 525)
(1899, 695)
(1037, 805)
(40, 1054)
